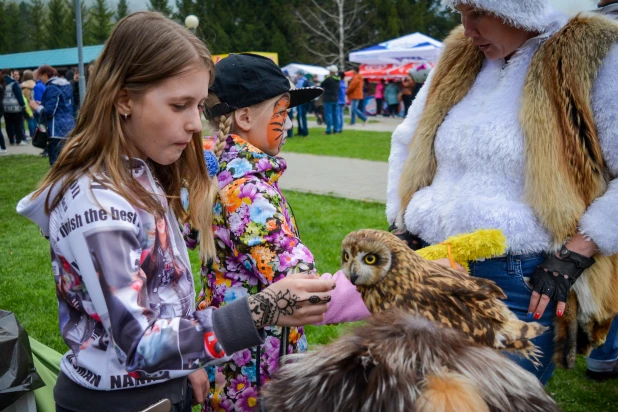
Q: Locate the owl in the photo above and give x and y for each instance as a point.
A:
(400, 362)
(389, 275)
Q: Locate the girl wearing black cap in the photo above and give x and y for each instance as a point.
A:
(257, 241)
(108, 204)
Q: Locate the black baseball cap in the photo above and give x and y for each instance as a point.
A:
(245, 79)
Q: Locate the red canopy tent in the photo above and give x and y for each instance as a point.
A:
(376, 72)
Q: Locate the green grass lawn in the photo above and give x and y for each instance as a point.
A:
(27, 288)
(351, 143)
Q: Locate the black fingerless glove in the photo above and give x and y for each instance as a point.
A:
(414, 242)
(569, 264)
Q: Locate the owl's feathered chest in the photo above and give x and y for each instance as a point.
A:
(387, 294)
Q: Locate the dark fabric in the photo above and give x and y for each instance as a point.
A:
(302, 120)
(417, 88)
(70, 396)
(244, 334)
(40, 138)
(331, 89)
(76, 102)
(407, 102)
(14, 128)
(379, 104)
(54, 148)
(243, 80)
(1, 100)
(555, 287)
(2, 144)
(569, 268)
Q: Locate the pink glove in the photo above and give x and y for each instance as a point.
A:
(346, 304)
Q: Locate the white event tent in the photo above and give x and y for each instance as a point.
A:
(317, 71)
(412, 48)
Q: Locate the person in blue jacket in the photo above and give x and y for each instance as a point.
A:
(39, 87)
(56, 108)
(342, 100)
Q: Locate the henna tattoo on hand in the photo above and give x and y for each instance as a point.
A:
(267, 306)
(314, 300)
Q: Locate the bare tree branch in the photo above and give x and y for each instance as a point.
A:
(334, 34)
(324, 34)
(332, 16)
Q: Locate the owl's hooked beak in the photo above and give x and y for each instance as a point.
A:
(353, 278)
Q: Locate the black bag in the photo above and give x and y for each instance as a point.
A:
(17, 372)
(40, 137)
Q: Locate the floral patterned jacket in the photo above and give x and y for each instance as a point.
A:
(257, 243)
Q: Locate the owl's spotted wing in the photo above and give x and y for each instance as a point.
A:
(456, 300)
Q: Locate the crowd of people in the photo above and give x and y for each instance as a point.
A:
(393, 98)
(38, 100)
(132, 187)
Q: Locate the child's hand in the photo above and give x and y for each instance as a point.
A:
(200, 385)
(299, 299)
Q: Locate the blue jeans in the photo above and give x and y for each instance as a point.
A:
(339, 118)
(31, 126)
(355, 111)
(54, 147)
(604, 358)
(330, 116)
(302, 120)
(509, 272)
(291, 116)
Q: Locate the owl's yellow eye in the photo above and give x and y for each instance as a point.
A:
(346, 257)
(371, 259)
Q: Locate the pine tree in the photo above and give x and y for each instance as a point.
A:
(122, 10)
(37, 25)
(3, 48)
(100, 22)
(15, 36)
(161, 6)
(25, 16)
(55, 26)
(71, 25)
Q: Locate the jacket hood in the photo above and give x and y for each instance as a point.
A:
(34, 209)
(28, 84)
(240, 159)
(58, 81)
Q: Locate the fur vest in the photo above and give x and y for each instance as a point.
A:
(565, 170)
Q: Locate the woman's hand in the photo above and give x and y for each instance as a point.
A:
(299, 299)
(447, 263)
(538, 302)
(33, 105)
(200, 384)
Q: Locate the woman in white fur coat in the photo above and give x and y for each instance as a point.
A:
(517, 129)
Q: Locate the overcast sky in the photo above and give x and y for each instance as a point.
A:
(567, 5)
(134, 5)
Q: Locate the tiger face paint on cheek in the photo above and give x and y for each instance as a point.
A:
(276, 128)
